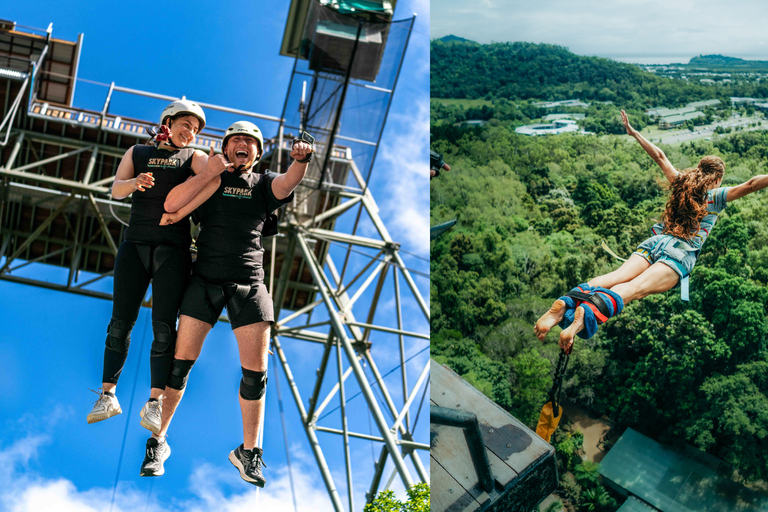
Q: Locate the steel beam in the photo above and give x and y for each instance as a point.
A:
(358, 370)
(311, 436)
(36, 233)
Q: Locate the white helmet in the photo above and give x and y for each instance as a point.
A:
(244, 128)
(184, 107)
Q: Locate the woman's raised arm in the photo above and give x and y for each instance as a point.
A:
(653, 151)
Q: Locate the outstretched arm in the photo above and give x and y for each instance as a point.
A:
(200, 198)
(753, 184)
(205, 168)
(283, 185)
(653, 151)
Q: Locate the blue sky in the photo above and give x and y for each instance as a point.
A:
(51, 343)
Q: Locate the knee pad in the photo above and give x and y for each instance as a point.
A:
(179, 373)
(253, 385)
(119, 335)
(164, 339)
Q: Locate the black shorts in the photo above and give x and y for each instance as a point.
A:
(246, 303)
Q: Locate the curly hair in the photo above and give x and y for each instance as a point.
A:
(687, 205)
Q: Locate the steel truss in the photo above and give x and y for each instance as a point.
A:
(353, 341)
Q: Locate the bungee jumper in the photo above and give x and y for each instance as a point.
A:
(151, 253)
(234, 208)
(661, 261)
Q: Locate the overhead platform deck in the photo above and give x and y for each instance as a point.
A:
(59, 161)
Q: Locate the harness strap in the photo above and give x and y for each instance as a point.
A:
(236, 296)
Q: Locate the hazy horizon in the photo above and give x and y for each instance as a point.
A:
(649, 58)
(625, 28)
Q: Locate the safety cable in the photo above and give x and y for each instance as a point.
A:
(118, 219)
(370, 433)
(421, 404)
(149, 493)
(285, 432)
(373, 382)
(380, 398)
(128, 415)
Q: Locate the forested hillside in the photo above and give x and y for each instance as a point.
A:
(531, 215)
(520, 71)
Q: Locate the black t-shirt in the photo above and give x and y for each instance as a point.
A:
(229, 246)
(169, 168)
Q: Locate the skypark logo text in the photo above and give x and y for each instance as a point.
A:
(239, 193)
(163, 163)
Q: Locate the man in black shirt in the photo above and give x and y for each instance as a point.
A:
(233, 207)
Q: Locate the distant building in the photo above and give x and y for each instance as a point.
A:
(562, 103)
(556, 117)
(672, 117)
(673, 121)
(656, 477)
(555, 128)
(707, 81)
(661, 112)
(762, 107)
(704, 104)
(740, 101)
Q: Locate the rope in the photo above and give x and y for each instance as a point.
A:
(557, 383)
(285, 432)
(128, 416)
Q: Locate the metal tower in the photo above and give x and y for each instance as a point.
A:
(338, 281)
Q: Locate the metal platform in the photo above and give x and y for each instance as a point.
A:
(522, 465)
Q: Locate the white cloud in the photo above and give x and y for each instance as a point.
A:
(406, 206)
(594, 27)
(24, 490)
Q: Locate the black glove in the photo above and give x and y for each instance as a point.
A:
(305, 137)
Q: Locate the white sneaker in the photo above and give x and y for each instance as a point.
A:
(152, 416)
(105, 407)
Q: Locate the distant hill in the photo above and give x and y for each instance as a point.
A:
(723, 63)
(451, 39)
(520, 71)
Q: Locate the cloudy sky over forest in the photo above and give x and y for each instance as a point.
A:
(618, 28)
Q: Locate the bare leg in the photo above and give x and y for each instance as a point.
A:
(153, 392)
(628, 270)
(189, 343)
(253, 344)
(657, 279)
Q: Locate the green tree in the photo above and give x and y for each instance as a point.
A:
(733, 423)
(531, 381)
(385, 501)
